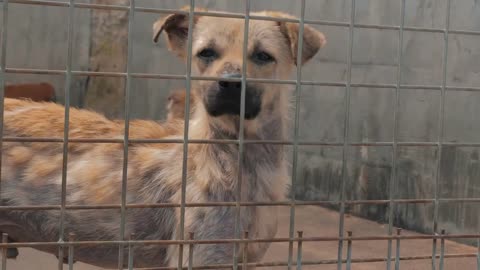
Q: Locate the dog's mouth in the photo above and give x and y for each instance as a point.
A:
(223, 102)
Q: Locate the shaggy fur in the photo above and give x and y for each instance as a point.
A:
(31, 171)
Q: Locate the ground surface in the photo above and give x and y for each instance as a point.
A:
(314, 221)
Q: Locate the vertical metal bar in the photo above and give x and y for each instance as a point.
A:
(442, 250)
(397, 251)
(298, 91)
(191, 236)
(241, 134)
(349, 251)
(440, 133)
(3, 58)
(188, 86)
(71, 238)
(299, 250)
(393, 182)
(345, 136)
(128, 86)
(478, 254)
(4, 251)
(131, 250)
(245, 252)
(66, 127)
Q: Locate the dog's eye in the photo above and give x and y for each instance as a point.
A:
(208, 55)
(262, 58)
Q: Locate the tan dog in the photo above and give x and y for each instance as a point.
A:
(31, 172)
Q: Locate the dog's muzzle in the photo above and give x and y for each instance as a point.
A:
(224, 97)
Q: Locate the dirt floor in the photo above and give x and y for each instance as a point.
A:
(313, 221)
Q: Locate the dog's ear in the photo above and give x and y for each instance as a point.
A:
(313, 40)
(176, 27)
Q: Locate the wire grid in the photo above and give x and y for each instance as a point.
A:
(291, 240)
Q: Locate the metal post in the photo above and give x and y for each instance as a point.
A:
(4, 251)
(299, 250)
(349, 250)
(128, 86)
(186, 126)
(440, 134)
(393, 183)
(71, 238)
(397, 255)
(298, 91)
(66, 126)
(191, 236)
(241, 135)
(346, 123)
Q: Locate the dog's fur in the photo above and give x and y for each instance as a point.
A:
(31, 171)
(176, 105)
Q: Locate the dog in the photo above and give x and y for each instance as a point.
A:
(32, 171)
(176, 105)
(34, 91)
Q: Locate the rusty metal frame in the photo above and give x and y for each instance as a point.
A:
(393, 236)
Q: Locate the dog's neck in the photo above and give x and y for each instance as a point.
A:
(259, 159)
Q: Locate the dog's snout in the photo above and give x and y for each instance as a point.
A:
(229, 85)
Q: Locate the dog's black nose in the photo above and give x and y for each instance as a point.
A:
(226, 85)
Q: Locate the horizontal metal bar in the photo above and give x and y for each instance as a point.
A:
(256, 80)
(232, 204)
(317, 262)
(242, 16)
(231, 241)
(222, 141)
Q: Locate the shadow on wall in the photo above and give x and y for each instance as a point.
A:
(369, 175)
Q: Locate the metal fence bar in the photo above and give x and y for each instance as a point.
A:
(397, 251)
(239, 240)
(442, 251)
(393, 176)
(241, 132)
(131, 251)
(66, 128)
(231, 141)
(349, 251)
(128, 86)
(440, 131)
(478, 254)
(71, 238)
(346, 123)
(241, 16)
(299, 250)
(3, 61)
(208, 78)
(232, 204)
(190, 251)
(296, 130)
(4, 251)
(186, 127)
(245, 252)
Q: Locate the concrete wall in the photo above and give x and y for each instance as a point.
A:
(36, 39)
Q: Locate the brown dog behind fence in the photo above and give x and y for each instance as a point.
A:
(34, 91)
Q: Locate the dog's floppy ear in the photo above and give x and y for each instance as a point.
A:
(176, 27)
(313, 40)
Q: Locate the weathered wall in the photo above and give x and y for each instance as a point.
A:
(37, 40)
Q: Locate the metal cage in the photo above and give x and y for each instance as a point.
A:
(343, 238)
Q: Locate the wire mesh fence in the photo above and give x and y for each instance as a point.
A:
(344, 239)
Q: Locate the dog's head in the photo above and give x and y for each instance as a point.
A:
(217, 50)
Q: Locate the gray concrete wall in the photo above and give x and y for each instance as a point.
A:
(36, 39)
